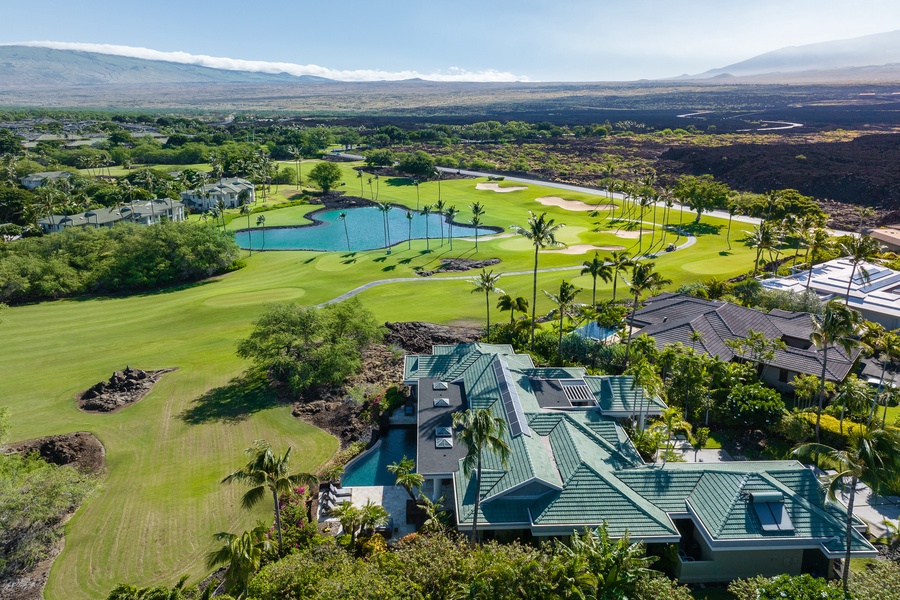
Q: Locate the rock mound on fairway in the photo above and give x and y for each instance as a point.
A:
(459, 264)
(81, 450)
(122, 389)
(418, 337)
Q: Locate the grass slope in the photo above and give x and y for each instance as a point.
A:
(153, 519)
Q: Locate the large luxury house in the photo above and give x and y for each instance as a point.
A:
(874, 289)
(145, 212)
(227, 190)
(669, 318)
(573, 466)
(36, 180)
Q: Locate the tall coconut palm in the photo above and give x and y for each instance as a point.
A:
(385, 208)
(261, 221)
(486, 282)
(507, 302)
(439, 207)
(541, 232)
(888, 344)
(426, 210)
(297, 154)
(597, 268)
(733, 209)
(563, 301)
(477, 213)
(343, 217)
(267, 472)
(243, 554)
(761, 238)
(480, 431)
(859, 250)
(409, 218)
(643, 279)
(619, 259)
(815, 241)
(451, 214)
(838, 326)
(246, 210)
(853, 395)
(407, 478)
(873, 457)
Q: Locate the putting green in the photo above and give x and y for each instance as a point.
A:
(154, 517)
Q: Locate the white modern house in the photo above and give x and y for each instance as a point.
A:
(146, 212)
(227, 190)
(874, 289)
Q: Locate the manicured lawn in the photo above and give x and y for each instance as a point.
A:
(154, 516)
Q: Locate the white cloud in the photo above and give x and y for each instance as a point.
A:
(259, 66)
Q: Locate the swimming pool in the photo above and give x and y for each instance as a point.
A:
(365, 230)
(371, 468)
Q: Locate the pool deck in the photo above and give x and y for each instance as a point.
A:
(391, 497)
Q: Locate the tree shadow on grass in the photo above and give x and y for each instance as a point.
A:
(389, 268)
(244, 395)
(698, 229)
(380, 259)
(399, 181)
(404, 261)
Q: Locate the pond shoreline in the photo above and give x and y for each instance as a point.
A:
(350, 202)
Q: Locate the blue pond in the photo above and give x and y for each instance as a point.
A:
(365, 228)
(371, 468)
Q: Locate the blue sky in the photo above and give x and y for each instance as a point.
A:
(562, 40)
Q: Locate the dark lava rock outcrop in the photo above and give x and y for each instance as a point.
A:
(121, 389)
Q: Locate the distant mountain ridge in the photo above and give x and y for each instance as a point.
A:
(32, 66)
(839, 56)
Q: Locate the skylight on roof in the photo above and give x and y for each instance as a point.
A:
(439, 386)
(510, 397)
(441, 402)
(769, 507)
(443, 442)
(443, 432)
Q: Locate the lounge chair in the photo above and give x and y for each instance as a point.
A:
(338, 492)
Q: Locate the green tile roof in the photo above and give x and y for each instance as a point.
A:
(619, 394)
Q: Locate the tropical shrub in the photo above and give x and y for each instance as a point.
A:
(800, 587)
(830, 429)
(755, 406)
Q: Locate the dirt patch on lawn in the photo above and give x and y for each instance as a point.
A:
(122, 389)
(496, 187)
(582, 248)
(459, 265)
(574, 205)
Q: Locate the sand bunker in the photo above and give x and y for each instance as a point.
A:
(628, 235)
(582, 248)
(495, 187)
(573, 204)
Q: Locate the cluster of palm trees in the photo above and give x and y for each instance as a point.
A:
(773, 237)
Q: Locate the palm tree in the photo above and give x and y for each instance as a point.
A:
(409, 218)
(852, 395)
(373, 516)
(761, 238)
(507, 302)
(426, 210)
(873, 457)
(858, 250)
(541, 231)
(385, 208)
(619, 259)
(439, 209)
(343, 217)
(486, 282)
(246, 210)
(436, 518)
(888, 343)
(349, 516)
(451, 214)
(643, 279)
(646, 382)
(297, 155)
(815, 241)
(261, 220)
(563, 301)
(416, 183)
(481, 432)
(267, 472)
(837, 326)
(733, 208)
(243, 554)
(597, 268)
(407, 478)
